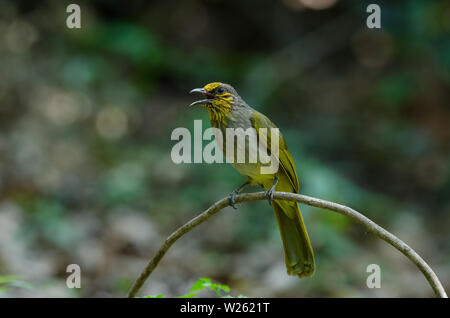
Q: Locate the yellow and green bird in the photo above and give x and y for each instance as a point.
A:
(228, 110)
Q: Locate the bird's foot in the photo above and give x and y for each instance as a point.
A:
(269, 193)
(232, 196)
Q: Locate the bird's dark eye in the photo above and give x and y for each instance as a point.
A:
(220, 90)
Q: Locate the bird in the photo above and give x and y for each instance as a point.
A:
(228, 110)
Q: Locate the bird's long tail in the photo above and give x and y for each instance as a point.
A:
(298, 252)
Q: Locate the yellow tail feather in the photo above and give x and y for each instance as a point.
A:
(298, 252)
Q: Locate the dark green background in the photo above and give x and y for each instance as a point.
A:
(86, 117)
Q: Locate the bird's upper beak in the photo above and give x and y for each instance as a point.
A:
(208, 96)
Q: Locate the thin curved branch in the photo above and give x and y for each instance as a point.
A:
(341, 209)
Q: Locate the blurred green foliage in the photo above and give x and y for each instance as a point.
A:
(85, 122)
(7, 282)
(201, 285)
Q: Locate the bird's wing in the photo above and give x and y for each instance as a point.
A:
(258, 121)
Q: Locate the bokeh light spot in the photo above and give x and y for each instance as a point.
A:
(112, 123)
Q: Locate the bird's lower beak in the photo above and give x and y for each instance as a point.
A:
(202, 101)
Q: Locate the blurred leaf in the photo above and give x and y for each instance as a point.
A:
(14, 281)
(200, 284)
(203, 283)
(155, 296)
(190, 295)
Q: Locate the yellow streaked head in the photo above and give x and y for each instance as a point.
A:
(219, 100)
(211, 86)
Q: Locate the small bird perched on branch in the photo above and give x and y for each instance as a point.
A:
(228, 110)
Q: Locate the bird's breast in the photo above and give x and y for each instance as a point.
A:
(238, 141)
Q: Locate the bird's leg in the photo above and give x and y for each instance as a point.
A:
(233, 194)
(269, 192)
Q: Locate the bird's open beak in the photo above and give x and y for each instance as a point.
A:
(205, 93)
